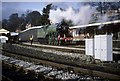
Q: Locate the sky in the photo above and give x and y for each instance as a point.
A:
(9, 7)
(21, 7)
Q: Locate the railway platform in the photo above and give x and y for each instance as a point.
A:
(79, 49)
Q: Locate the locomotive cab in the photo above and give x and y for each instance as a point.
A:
(64, 36)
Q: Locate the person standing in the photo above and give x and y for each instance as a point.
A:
(31, 39)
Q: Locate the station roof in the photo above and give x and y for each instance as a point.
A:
(95, 24)
(4, 31)
(35, 27)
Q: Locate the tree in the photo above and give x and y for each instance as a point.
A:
(30, 17)
(0, 24)
(45, 16)
(23, 22)
(5, 23)
(13, 22)
(33, 18)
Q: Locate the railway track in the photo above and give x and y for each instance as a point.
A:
(40, 70)
(76, 69)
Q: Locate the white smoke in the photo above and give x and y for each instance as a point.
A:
(82, 16)
(101, 19)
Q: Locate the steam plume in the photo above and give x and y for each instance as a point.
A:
(78, 17)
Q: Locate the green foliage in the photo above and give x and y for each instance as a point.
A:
(33, 18)
(0, 24)
(30, 17)
(45, 16)
(4, 23)
(13, 22)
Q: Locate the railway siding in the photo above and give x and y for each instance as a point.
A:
(42, 53)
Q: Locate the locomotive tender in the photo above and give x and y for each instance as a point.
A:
(55, 34)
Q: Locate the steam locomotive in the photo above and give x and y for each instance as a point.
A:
(55, 34)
